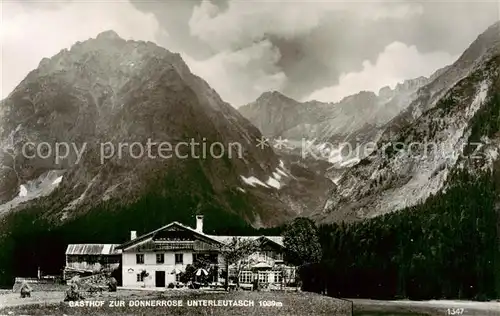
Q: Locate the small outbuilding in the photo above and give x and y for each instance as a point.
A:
(85, 259)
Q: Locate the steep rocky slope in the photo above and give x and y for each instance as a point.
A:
(108, 91)
(452, 124)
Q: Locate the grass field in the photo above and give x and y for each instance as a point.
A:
(264, 303)
(366, 307)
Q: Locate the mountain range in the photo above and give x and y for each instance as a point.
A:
(337, 133)
(108, 90)
(420, 133)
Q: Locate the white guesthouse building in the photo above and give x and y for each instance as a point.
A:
(166, 252)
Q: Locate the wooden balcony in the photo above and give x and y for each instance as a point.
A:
(166, 246)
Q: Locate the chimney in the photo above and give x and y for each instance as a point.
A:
(199, 223)
(133, 235)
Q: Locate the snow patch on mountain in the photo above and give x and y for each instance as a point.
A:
(350, 162)
(58, 180)
(282, 164)
(283, 173)
(280, 171)
(277, 176)
(241, 189)
(336, 180)
(34, 189)
(23, 191)
(273, 183)
(252, 181)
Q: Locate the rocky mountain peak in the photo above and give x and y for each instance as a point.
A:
(107, 62)
(108, 35)
(385, 92)
(273, 96)
(411, 84)
(108, 90)
(361, 98)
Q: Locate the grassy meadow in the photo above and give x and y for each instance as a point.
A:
(278, 304)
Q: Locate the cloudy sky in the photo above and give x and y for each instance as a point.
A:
(321, 50)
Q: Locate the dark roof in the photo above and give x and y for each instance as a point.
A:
(150, 234)
(92, 249)
(278, 240)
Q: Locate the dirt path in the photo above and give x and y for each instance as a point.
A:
(440, 307)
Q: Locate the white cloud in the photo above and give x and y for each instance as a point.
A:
(241, 76)
(28, 34)
(243, 22)
(244, 64)
(396, 63)
(246, 21)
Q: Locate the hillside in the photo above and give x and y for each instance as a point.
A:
(106, 92)
(456, 129)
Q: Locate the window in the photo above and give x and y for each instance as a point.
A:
(263, 256)
(140, 278)
(246, 277)
(92, 259)
(179, 258)
(263, 277)
(278, 277)
(160, 258)
(139, 258)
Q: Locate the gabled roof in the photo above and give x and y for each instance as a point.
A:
(262, 265)
(150, 234)
(92, 249)
(278, 240)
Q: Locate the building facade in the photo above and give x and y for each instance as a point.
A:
(84, 259)
(159, 258)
